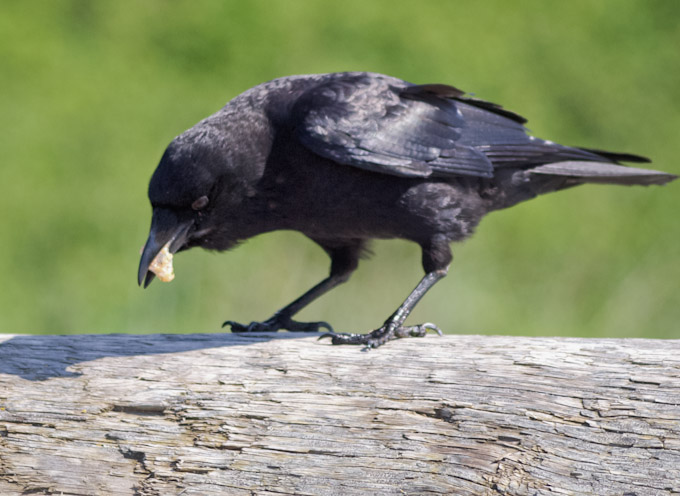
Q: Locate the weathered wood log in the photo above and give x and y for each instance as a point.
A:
(285, 414)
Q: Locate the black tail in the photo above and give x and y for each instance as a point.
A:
(617, 157)
(605, 172)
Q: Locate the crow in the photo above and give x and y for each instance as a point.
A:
(348, 157)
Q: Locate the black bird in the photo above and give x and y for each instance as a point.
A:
(347, 157)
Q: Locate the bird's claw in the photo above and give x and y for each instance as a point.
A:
(277, 323)
(417, 331)
(382, 335)
(252, 327)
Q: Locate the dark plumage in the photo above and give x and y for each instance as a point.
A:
(344, 158)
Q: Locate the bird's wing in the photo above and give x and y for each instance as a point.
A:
(389, 126)
(386, 125)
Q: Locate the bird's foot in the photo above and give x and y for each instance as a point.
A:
(276, 323)
(378, 337)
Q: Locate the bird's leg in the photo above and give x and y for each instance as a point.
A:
(393, 328)
(436, 259)
(344, 261)
(282, 319)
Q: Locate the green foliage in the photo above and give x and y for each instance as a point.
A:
(92, 92)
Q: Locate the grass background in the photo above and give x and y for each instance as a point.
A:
(92, 92)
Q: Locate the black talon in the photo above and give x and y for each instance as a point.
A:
(433, 327)
(277, 323)
(417, 331)
(326, 325)
(380, 336)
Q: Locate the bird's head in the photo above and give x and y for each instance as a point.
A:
(185, 191)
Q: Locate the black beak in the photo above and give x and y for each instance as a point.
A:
(166, 227)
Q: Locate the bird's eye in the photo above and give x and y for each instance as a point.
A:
(200, 203)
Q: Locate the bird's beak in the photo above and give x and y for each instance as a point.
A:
(166, 227)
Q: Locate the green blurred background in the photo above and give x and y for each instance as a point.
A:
(92, 92)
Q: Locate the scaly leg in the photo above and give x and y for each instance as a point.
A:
(436, 259)
(344, 261)
(392, 328)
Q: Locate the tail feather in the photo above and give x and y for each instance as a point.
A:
(617, 157)
(605, 172)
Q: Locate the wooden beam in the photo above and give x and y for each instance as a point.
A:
(206, 414)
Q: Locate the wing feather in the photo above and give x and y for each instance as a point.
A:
(389, 126)
(366, 121)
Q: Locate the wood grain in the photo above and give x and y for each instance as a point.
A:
(206, 414)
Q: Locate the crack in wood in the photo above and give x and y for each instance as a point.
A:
(216, 414)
